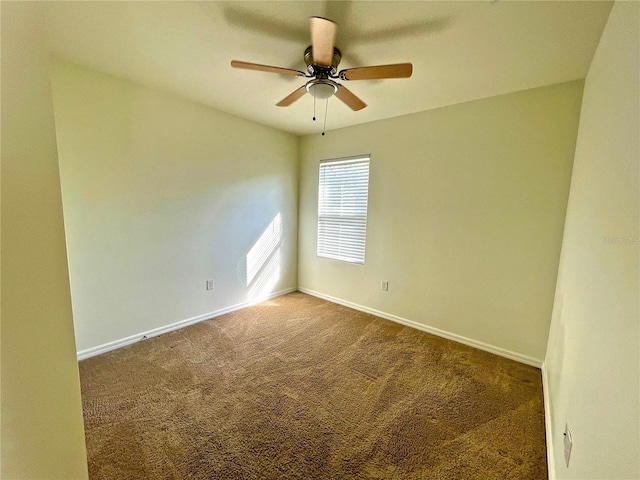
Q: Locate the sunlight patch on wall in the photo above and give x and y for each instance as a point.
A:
(263, 260)
(269, 276)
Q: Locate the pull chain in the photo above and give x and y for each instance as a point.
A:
(314, 106)
(324, 125)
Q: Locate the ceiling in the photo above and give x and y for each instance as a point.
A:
(460, 51)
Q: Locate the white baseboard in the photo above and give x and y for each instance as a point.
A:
(435, 331)
(547, 423)
(93, 351)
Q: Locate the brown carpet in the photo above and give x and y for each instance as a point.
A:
(300, 388)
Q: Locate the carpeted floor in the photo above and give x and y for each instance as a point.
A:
(300, 388)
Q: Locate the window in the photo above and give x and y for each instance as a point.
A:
(342, 209)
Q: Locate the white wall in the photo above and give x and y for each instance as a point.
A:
(592, 360)
(466, 211)
(161, 194)
(42, 431)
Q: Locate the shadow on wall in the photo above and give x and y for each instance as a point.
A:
(260, 268)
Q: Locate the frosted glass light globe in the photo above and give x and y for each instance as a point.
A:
(321, 91)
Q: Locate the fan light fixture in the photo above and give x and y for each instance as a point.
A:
(321, 89)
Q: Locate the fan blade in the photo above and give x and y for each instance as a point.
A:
(398, 70)
(353, 102)
(289, 99)
(266, 68)
(323, 36)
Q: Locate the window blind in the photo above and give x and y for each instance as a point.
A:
(342, 209)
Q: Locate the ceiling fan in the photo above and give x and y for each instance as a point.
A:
(322, 59)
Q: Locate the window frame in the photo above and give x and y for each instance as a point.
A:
(355, 221)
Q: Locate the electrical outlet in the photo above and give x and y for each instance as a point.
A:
(384, 286)
(209, 284)
(568, 443)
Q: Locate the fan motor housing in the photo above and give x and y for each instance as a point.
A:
(315, 69)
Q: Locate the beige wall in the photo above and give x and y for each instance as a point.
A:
(42, 432)
(161, 194)
(466, 211)
(592, 360)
